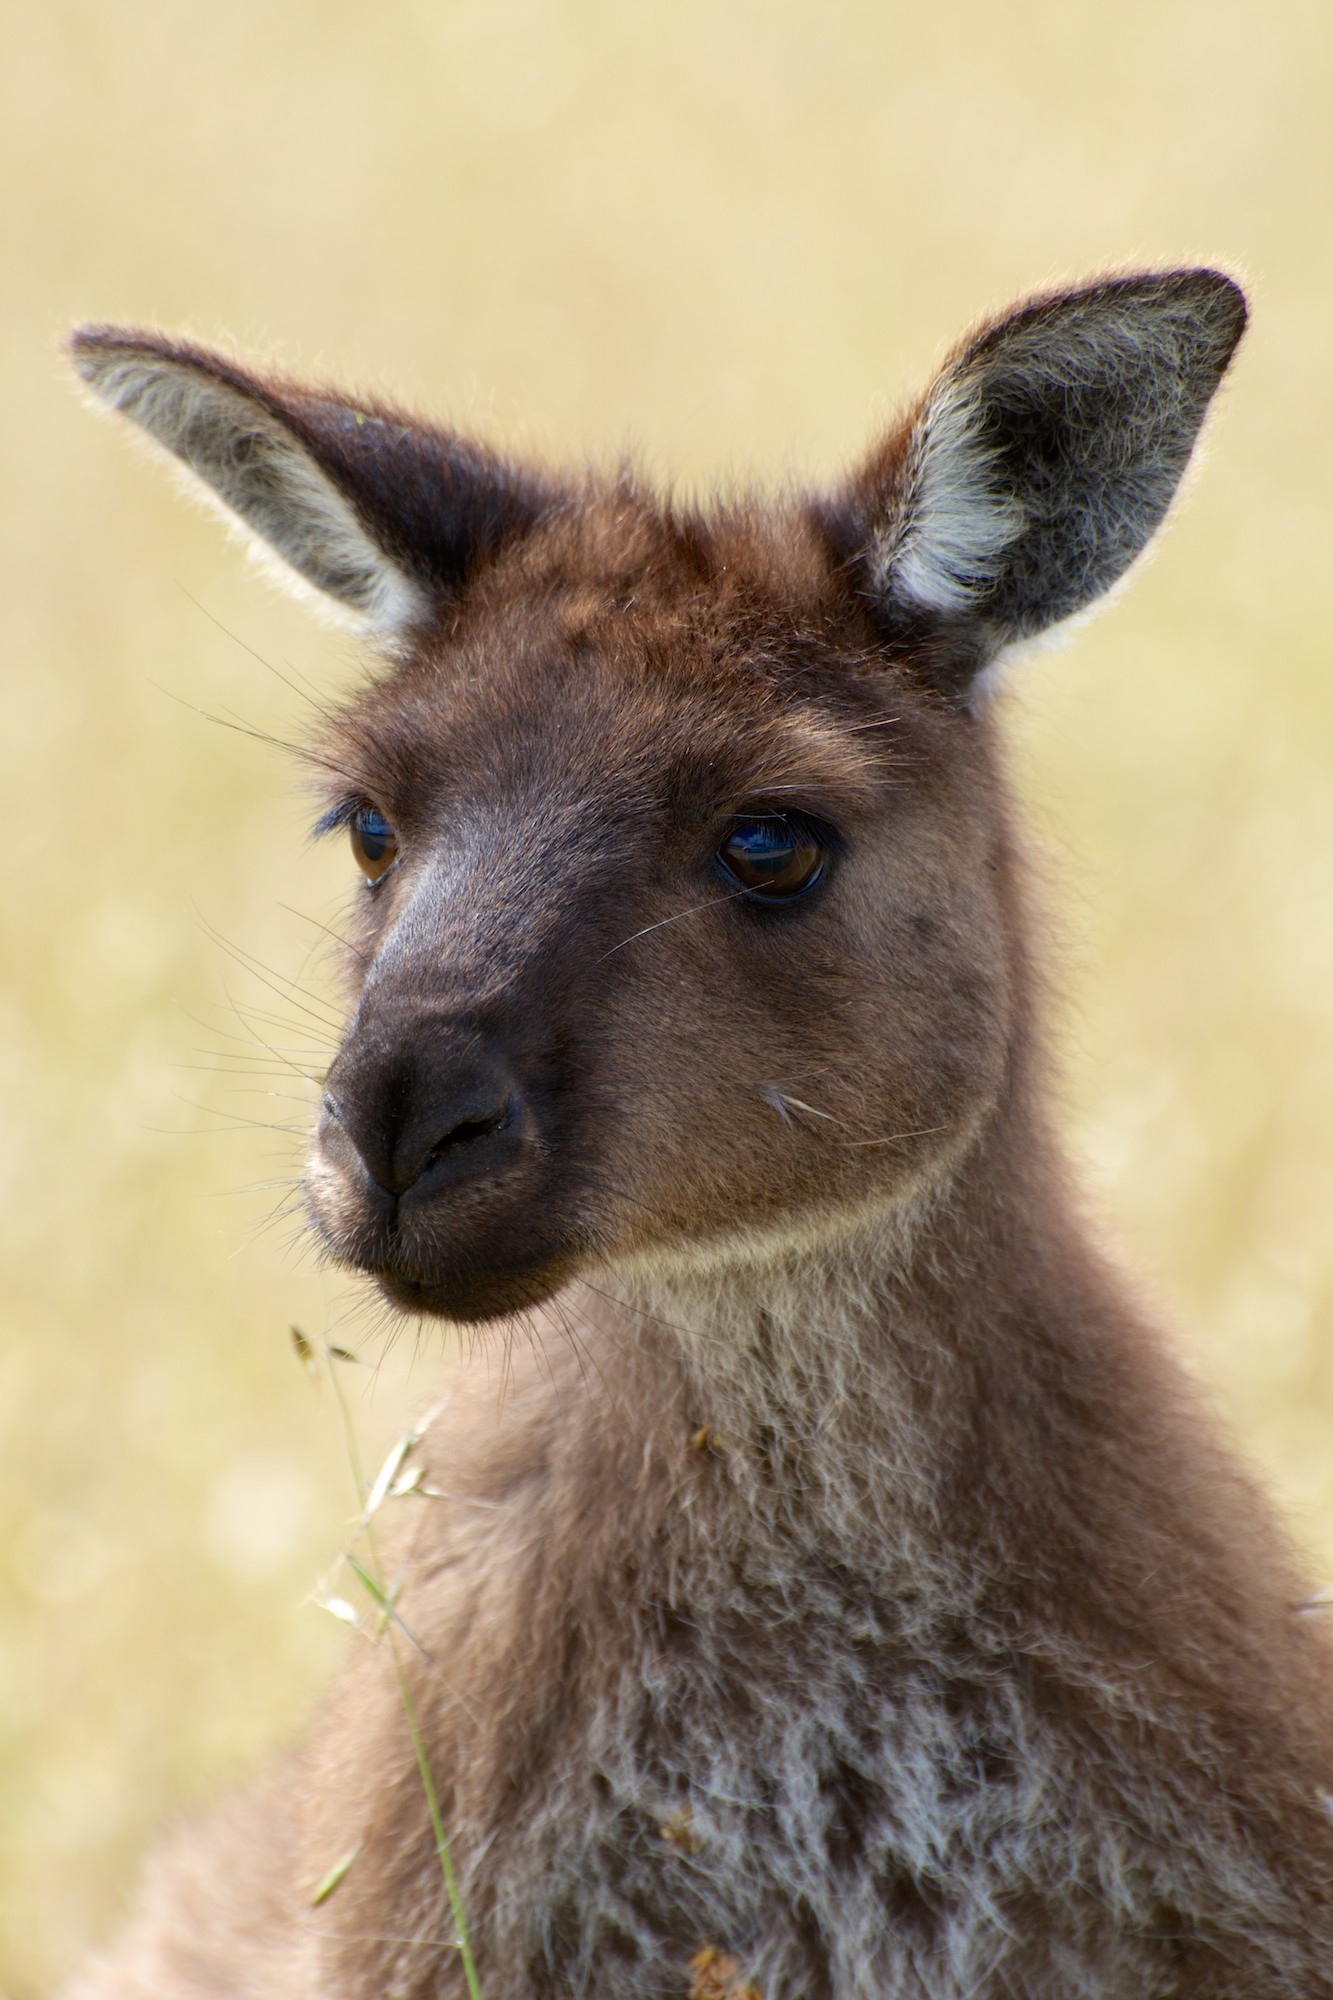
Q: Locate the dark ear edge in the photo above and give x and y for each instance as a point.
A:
(1037, 467)
(384, 515)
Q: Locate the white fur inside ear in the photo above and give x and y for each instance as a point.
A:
(266, 480)
(943, 551)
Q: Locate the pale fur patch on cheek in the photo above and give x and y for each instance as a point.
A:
(332, 1200)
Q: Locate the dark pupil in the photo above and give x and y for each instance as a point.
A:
(771, 857)
(374, 835)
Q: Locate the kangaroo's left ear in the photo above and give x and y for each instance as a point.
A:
(1037, 466)
(385, 516)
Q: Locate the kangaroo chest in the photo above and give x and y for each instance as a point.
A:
(810, 1793)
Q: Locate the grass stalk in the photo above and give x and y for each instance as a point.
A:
(372, 1578)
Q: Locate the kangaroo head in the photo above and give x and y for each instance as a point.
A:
(689, 914)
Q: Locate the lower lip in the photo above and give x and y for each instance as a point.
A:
(415, 1293)
(420, 1295)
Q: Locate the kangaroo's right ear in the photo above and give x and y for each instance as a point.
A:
(1038, 465)
(384, 515)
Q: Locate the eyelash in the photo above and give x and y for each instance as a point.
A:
(337, 816)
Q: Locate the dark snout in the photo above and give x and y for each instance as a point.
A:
(429, 1161)
(416, 1136)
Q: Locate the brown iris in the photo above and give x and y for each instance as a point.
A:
(773, 858)
(374, 842)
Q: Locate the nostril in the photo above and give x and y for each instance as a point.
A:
(406, 1134)
(477, 1125)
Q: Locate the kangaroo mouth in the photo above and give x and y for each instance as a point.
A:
(470, 1293)
(465, 1229)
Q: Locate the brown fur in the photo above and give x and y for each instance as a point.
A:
(835, 1589)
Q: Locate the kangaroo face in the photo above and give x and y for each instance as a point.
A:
(690, 920)
(657, 862)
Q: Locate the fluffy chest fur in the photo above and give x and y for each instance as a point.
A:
(824, 1787)
(875, 1836)
(776, 1729)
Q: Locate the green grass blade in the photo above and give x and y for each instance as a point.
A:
(334, 1876)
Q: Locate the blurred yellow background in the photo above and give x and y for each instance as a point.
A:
(734, 233)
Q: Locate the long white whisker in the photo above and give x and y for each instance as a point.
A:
(662, 922)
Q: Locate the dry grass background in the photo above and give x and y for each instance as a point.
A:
(732, 231)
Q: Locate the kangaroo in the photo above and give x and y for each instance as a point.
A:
(840, 1590)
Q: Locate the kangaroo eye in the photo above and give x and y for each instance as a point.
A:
(774, 859)
(374, 842)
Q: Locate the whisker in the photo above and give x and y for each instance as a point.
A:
(268, 975)
(337, 936)
(323, 708)
(881, 722)
(303, 752)
(713, 902)
(896, 1138)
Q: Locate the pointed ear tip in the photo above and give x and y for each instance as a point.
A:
(85, 346)
(93, 348)
(1216, 295)
(1224, 296)
(1217, 304)
(96, 345)
(1213, 301)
